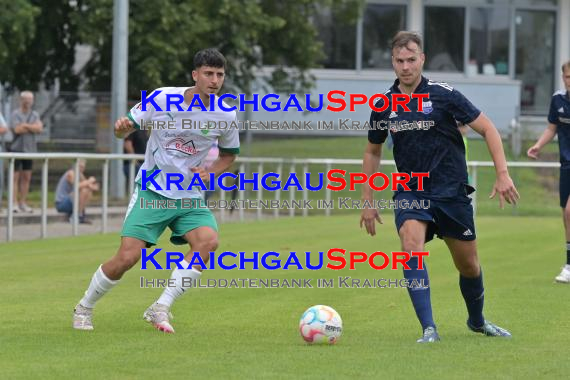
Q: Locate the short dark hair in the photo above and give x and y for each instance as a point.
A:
(566, 65)
(404, 37)
(209, 57)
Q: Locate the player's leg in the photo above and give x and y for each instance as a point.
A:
(466, 261)
(142, 227)
(197, 227)
(564, 276)
(203, 240)
(26, 179)
(464, 254)
(84, 198)
(17, 171)
(412, 237)
(105, 278)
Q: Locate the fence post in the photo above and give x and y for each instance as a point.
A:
(305, 190)
(75, 216)
(278, 191)
(241, 194)
(11, 195)
(222, 202)
(327, 192)
(105, 195)
(44, 198)
(291, 193)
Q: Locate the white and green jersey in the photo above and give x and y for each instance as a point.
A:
(180, 140)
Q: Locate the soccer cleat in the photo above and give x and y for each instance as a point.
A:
(159, 316)
(430, 336)
(564, 276)
(490, 329)
(82, 318)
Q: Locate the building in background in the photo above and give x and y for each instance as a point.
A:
(503, 54)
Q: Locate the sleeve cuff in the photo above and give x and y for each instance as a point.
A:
(131, 118)
(229, 150)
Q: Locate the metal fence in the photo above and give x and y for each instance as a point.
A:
(245, 164)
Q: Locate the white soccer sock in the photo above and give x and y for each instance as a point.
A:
(184, 279)
(100, 284)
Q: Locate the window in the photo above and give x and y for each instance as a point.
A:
(338, 38)
(380, 23)
(534, 64)
(489, 41)
(443, 40)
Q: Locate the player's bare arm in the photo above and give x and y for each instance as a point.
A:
(544, 139)
(123, 127)
(222, 164)
(504, 185)
(370, 165)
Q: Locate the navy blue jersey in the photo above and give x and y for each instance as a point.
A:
(559, 114)
(428, 141)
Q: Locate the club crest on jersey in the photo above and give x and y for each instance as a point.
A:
(428, 108)
(180, 145)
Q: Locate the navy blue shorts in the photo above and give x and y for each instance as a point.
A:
(449, 218)
(65, 206)
(564, 186)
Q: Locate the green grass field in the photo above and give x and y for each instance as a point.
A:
(252, 333)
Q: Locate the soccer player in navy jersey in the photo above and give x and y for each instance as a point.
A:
(559, 122)
(429, 141)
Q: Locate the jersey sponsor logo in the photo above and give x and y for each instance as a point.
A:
(428, 108)
(181, 145)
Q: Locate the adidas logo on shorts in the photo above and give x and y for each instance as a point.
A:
(468, 233)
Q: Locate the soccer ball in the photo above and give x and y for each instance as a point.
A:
(320, 324)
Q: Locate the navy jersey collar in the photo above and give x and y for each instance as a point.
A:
(421, 85)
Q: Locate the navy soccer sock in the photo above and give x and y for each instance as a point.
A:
(420, 295)
(474, 295)
(568, 253)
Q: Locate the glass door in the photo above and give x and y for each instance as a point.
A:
(534, 54)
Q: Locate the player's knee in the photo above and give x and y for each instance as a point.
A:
(470, 269)
(208, 244)
(127, 260)
(411, 242)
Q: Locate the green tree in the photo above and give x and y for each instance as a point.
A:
(164, 35)
(17, 27)
(47, 52)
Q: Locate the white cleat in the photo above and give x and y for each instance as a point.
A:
(159, 316)
(82, 318)
(564, 276)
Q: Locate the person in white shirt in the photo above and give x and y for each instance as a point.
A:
(180, 150)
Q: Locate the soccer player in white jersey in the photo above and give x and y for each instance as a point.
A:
(177, 150)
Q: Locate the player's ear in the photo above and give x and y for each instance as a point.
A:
(422, 58)
(194, 75)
